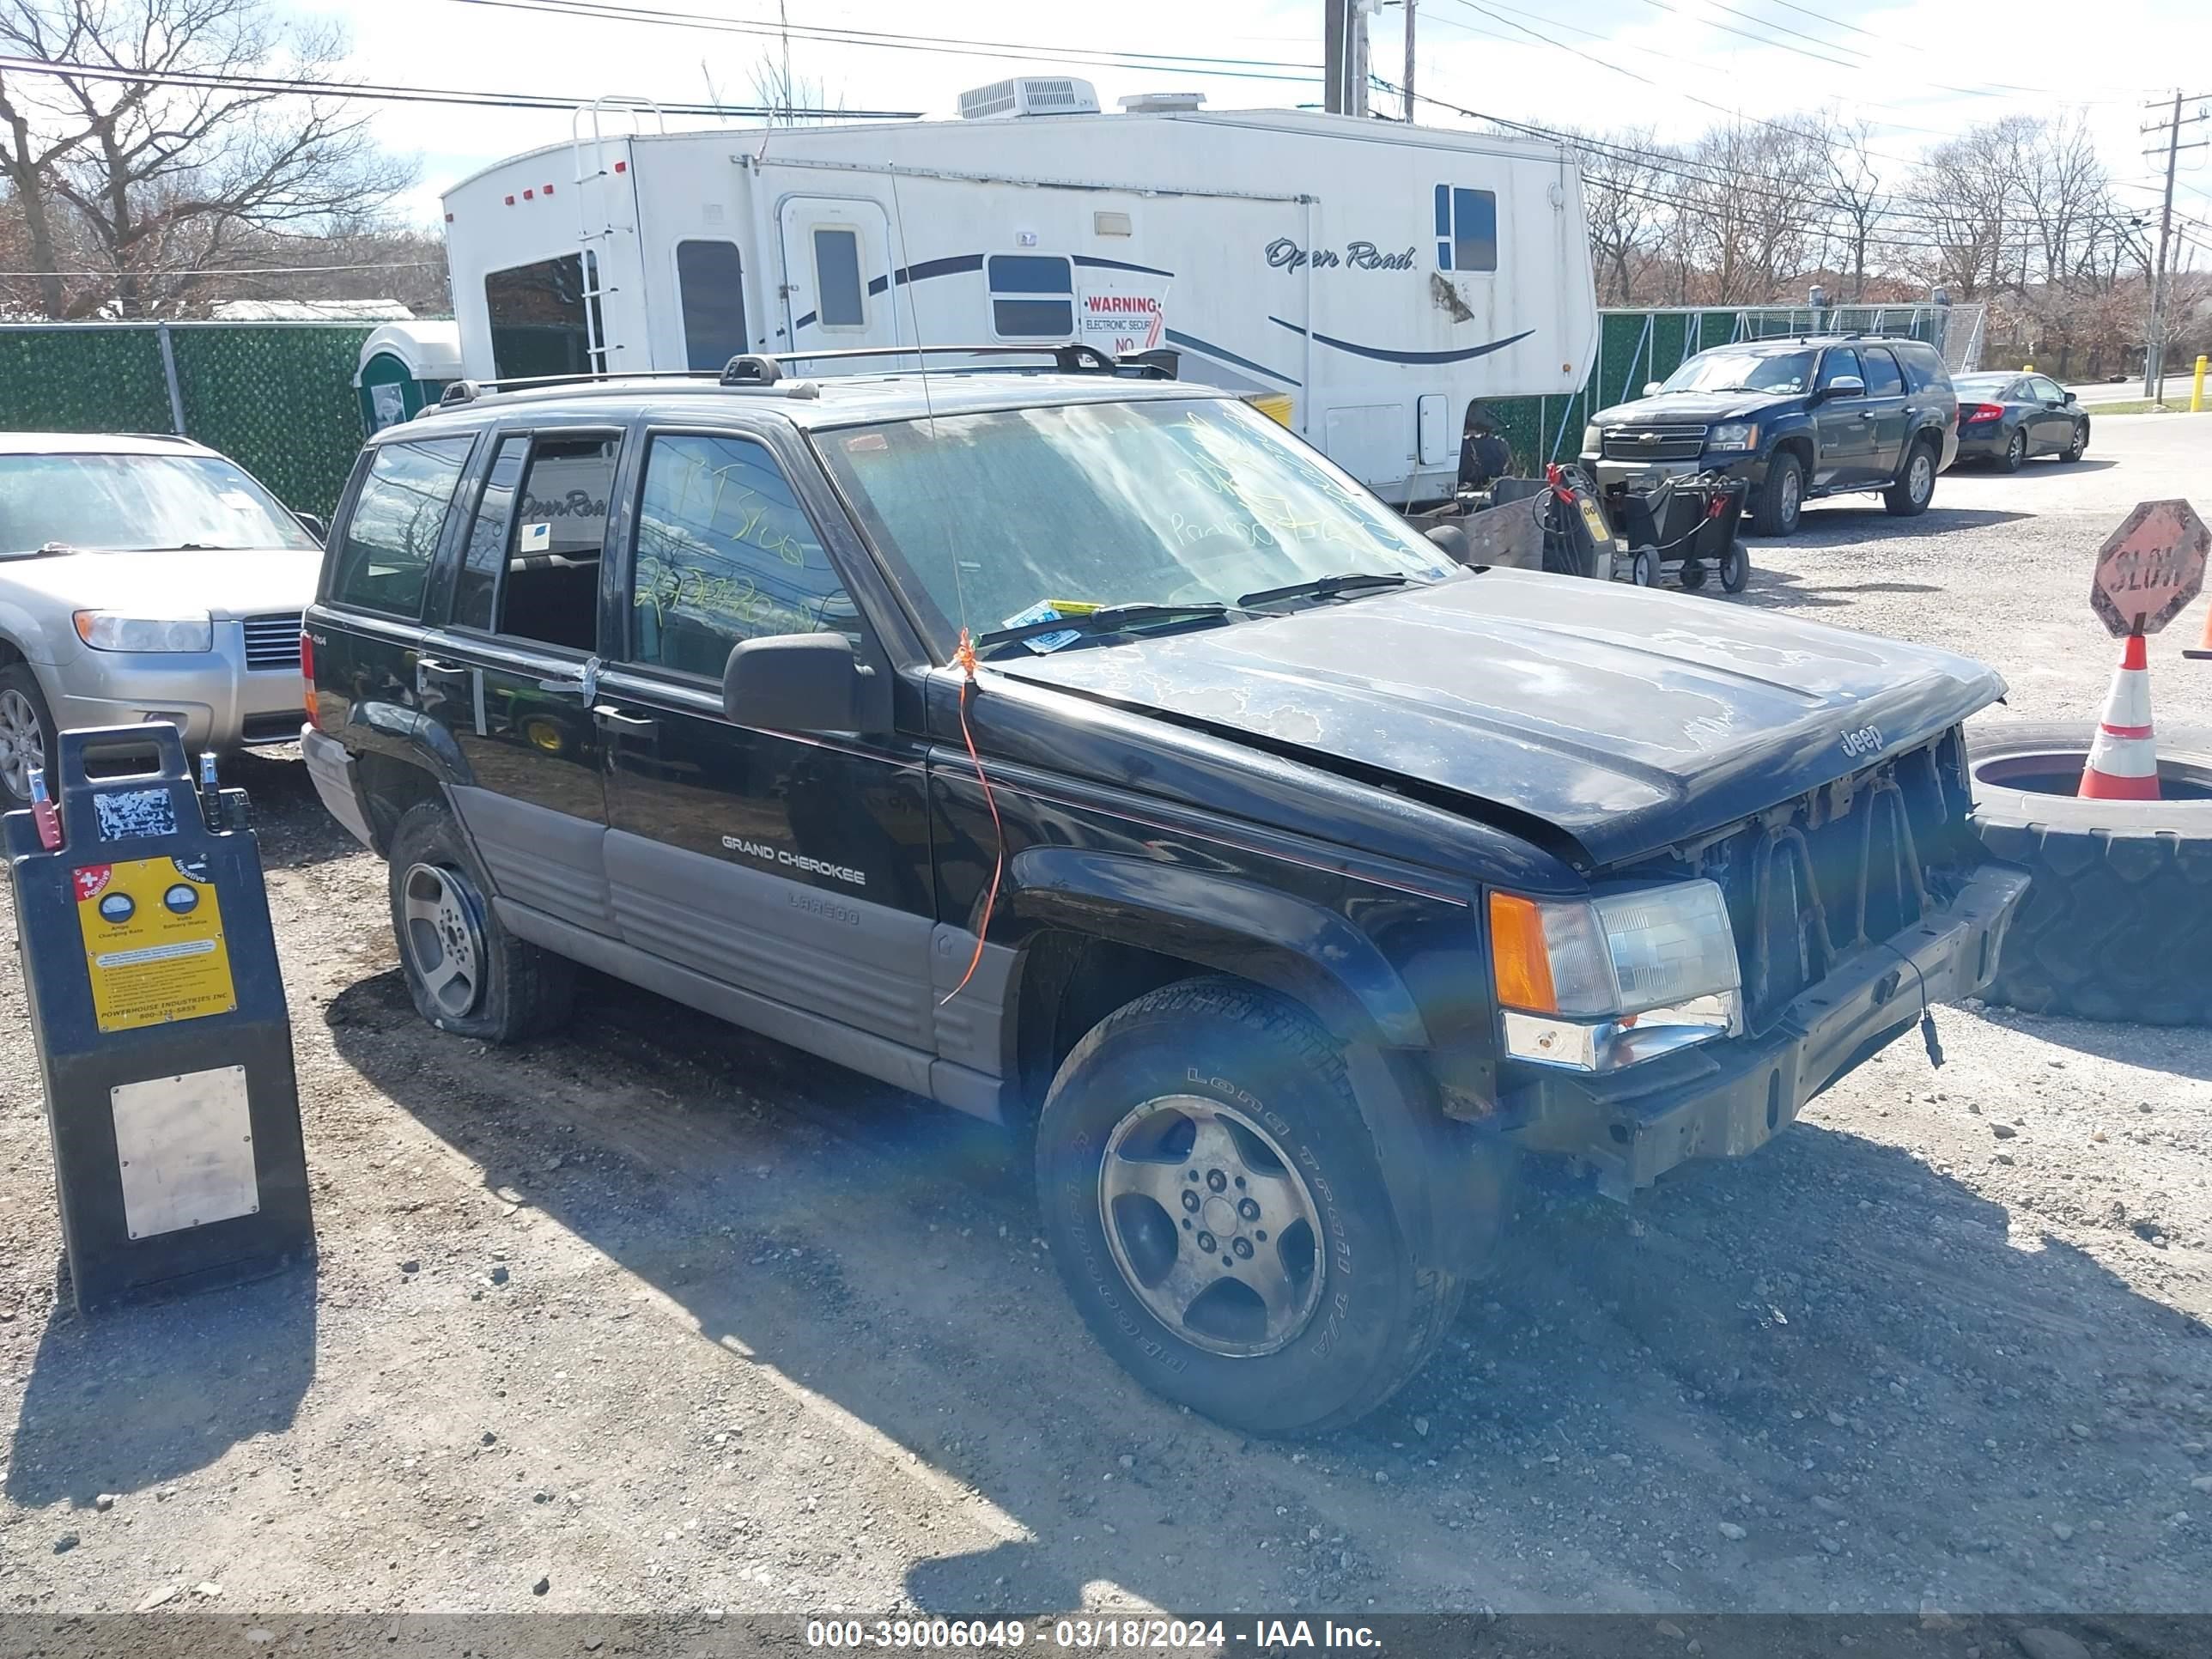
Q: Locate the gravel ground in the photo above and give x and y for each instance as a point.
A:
(656, 1316)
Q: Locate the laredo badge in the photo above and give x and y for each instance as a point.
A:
(153, 942)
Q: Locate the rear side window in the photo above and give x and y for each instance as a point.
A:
(710, 287)
(1923, 367)
(1882, 376)
(384, 554)
(1032, 297)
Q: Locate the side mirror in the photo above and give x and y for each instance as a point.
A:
(2069, 397)
(1651, 388)
(314, 526)
(797, 682)
(1452, 541)
(1844, 386)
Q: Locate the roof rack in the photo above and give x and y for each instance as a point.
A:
(767, 368)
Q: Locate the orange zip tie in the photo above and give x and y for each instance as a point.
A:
(964, 658)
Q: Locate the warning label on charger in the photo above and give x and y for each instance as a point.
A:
(152, 943)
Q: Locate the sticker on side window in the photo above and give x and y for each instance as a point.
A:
(535, 538)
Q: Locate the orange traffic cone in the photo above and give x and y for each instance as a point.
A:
(2124, 759)
(2204, 651)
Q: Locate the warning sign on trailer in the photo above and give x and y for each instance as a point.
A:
(2150, 568)
(1122, 311)
(152, 943)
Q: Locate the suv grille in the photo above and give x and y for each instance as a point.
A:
(1654, 443)
(273, 641)
(1850, 865)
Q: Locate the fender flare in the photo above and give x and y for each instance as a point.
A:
(406, 735)
(1287, 944)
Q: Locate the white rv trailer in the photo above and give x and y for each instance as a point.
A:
(1379, 276)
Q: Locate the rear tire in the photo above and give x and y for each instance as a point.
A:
(1234, 1109)
(2113, 928)
(1645, 571)
(1915, 488)
(1735, 569)
(1781, 497)
(466, 973)
(2015, 452)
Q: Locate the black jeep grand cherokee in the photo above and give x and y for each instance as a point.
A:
(1313, 879)
(1820, 415)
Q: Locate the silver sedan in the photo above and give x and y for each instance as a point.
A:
(144, 578)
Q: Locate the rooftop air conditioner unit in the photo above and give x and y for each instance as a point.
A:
(1030, 95)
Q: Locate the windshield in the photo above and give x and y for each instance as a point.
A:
(109, 503)
(1085, 505)
(1723, 370)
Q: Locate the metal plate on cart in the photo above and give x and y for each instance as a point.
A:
(185, 1145)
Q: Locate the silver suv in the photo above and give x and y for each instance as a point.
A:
(144, 578)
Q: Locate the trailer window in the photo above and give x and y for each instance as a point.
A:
(544, 317)
(1467, 229)
(839, 302)
(1032, 296)
(710, 288)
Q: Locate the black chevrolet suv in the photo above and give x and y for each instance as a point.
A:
(1819, 415)
(1274, 878)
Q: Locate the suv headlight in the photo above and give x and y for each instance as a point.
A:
(1734, 434)
(1597, 983)
(112, 630)
(1593, 440)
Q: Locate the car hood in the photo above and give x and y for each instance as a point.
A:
(1708, 406)
(225, 583)
(1625, 718)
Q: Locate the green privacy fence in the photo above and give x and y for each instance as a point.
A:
(277, 398)
(1637, 346)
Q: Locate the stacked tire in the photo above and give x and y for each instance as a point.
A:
(2117, 925)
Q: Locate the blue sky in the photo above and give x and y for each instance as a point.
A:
(1920, 69)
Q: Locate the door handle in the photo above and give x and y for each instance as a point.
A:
(436, 669)
(608, 714)
(1866, 414)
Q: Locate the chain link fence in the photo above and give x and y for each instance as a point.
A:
(277, 398)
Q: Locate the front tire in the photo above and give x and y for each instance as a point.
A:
(1781, 497)
(466, 973)
(26, 732)
(1215, 1199)
(1915, 488)
(2078, 444)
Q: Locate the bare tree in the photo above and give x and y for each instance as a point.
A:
(1625, 198)
(155, 184)
(1854, 192)
(1751, 207)
(797, 100)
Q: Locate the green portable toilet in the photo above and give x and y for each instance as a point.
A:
(405, 366)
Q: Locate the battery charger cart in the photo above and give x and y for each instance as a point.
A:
(1680, 526)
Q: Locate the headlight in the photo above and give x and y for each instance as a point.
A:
(109, 630)
(1734, 434)
(1593, 440)
(1625, 976)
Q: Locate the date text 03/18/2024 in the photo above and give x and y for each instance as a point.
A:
(1083, 1634)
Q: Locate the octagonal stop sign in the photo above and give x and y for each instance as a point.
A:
(2150, 568)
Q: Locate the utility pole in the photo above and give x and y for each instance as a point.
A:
(1409, 62)
(1343, 56)
(2155, 343)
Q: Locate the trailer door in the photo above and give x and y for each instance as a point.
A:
(837, 285)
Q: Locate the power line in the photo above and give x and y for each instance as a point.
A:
(1243, 69)
(280, 86)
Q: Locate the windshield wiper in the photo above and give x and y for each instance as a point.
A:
(1112, 619)
(1324, 588)
(45, 551)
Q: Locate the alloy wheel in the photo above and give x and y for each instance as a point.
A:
(22, 742)
(444, 936)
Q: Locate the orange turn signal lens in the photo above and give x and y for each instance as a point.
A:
(1520, 967)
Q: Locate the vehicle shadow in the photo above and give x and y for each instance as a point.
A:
(2042, 466)
(2180, 1051)
(1785, 590)
(1841, 523)
(891, 1264)
(140, 1395)
(290, 819)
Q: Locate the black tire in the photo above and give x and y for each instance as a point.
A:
(2015, 451)
(1735, 569)
(1643, 570)
(2078, 445)
(25, 721)
(2117, 925)
(1915, 486)
(515, 990)
(1781, 505)
(1373, 1311)
(1693, 574)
